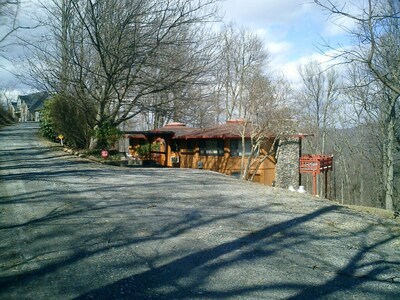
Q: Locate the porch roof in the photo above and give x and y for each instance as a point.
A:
(149, 135)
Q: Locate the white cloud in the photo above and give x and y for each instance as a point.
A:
(292, 30)
(6, 68)
(291, 68)
(8, 96)
(11, 48)
(254, 13)
(278, 48)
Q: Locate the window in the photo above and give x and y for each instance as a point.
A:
(175, 147)
(237, 148)
(211, 147)
(190, 146)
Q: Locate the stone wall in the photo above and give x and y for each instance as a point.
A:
(287, 166)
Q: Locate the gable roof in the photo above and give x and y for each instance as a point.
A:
(34, 101)
(232, 129)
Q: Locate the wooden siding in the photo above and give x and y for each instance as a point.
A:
(181, 156)
(226, 164)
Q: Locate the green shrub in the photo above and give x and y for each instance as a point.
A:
(144, 150)
(46, 121)
(5, 116)
(107, 135)
(62, 115)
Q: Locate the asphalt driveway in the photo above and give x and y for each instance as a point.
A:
(74, 229)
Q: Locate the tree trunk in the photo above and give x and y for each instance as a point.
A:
(243, 170)
(389, 161)
(94, 141)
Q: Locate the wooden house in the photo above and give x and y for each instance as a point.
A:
(218, 148)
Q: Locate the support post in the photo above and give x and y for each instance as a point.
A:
(326, 184)
(314, 183)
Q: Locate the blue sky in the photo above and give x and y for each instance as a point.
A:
(25, 17)
(292, 30)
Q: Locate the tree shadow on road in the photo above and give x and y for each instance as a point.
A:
(101, 240)
(187, 277)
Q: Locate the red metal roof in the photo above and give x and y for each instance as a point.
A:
(231, 129)
(227, 130)
(179, 129)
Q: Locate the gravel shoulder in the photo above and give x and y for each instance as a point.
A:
(74, 229)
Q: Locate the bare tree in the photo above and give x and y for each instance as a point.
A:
(8, 20)
(318, 100)
(244, 90)
(112, 56)
(317, 103)
(377, 47)
(268, 120)
(243, 57)
(11, 23)
(368, 99)
(358, 164)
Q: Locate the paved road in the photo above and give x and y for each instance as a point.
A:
(74, 229)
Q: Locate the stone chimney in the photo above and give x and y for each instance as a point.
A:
(287, 166)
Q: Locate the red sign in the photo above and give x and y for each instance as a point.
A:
(104, 154)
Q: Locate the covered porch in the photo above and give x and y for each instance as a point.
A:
(149, 148)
